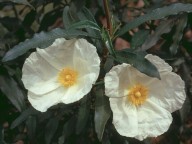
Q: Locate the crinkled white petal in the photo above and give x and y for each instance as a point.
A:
(159, 63)
(121, 77)
(43, 102)
(59, 54)
(169, 92)
(41, 69)
(125, 117)
(39, 76)
(79, 90)
(153, 120)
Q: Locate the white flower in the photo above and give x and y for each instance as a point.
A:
(61, 73)
(142, 105)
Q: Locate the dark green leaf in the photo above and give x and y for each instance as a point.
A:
(67, 18)
(138, 61)
(108, 64)
(108, 42)
(83, 116)
(164, 27)
(25, 2)
(102, 112)
(2, 135)
(156, 14)
(50, 129)
(85, 24)
(41, 40)
(139, 38)
(68, 129)
(11, 89)
(31, 124)
(24, 115)
(178, 34)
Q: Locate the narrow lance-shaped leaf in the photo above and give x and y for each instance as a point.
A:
(83, 115)
(50, 129)
(85, 24)
(24, 115)
(31, 124)
(138, 61)
(139, 38)
(102, 112)
(41, 40)
(68, 129)
(11, 89)
(164, 27)
(156, 14)
(25, 2)
(67, 18)
(178, 34)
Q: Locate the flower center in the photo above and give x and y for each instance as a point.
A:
(67, 77)
(137, 94)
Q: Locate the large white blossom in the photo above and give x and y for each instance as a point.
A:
(61, 73)
(142, 105)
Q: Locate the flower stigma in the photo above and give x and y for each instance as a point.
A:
(137, 94)
(67, 77)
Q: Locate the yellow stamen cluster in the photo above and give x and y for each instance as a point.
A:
(137, 94)
(67, 77)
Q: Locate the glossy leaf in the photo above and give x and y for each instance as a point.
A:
(41, 40)
(138, 61)
(139, 38)
(102, 112)
(158, 13)
(164, 27)
(178, 34)
(50, 129)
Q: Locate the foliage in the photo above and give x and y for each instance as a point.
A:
(158, 28)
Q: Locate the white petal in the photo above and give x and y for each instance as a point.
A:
(79, 90)
(152, 120)
(159, 63)
(120, 78)
(59, 54)
(169, 92)
(43, 102)
(125, 118)
(39, 76)
(85, 58)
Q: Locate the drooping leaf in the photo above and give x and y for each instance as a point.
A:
(24, 115)
(31, 124)
(178, 34)
(83, 116)
(68, 129)
(139, 38)
(85, 24)
(164, 27)
(50, 129)
(102, 112)
(156, 14)
(25, 2)
(41, 40)
(138, 61)
(13, 92)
